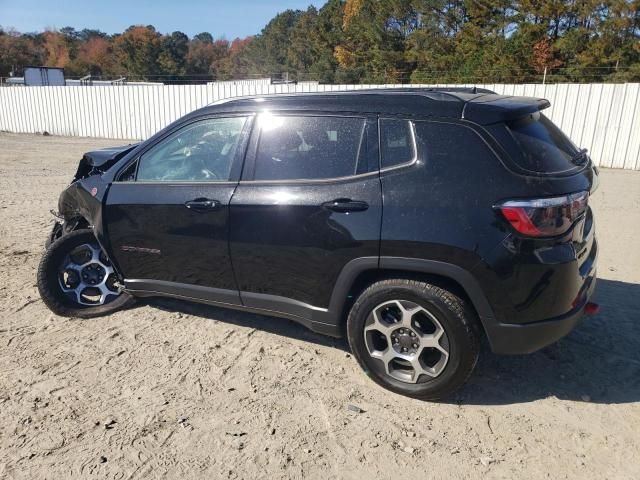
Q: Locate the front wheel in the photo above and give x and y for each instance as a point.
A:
(413, 338)
(76, 278)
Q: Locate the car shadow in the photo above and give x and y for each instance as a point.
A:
(598, 362)
(277, 326)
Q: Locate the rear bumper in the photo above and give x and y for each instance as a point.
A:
(506, 338)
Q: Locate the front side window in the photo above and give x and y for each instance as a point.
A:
(201, 151)
(308, 148)
(397, 144)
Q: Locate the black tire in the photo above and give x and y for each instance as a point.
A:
(453, 315)
(56, 232)
(49, 286)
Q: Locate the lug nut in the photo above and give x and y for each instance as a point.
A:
(415, 345)
(413, 334)
(404, 349)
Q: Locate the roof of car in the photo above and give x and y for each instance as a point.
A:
(475, 104)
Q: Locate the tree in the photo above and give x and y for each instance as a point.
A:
(352, 41)
(18, 51)
(267, 54)
(543, 57)
(136, 51)
(236, 64)
(97, 56)
(173, 54)
(57, 49)
(206, 56)
(373, 40)
(204, 37)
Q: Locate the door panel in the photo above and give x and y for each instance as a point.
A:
(155, 235)
(285, 242)
(291, 237)
(169, 229)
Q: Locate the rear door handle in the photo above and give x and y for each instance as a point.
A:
(346, 205)
(202, 205)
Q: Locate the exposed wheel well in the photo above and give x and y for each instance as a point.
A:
(59, 230)
(368, 277)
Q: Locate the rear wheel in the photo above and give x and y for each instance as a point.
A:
(76, 278)
(413, 338)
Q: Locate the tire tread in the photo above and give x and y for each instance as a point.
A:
(52, 299)
(457, 306)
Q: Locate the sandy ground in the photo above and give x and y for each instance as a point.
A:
(171, 390)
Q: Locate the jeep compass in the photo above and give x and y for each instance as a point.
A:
(415, 222)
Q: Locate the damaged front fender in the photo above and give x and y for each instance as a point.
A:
(80, 206)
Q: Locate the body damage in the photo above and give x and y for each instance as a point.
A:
(80, 204)
(99, 161)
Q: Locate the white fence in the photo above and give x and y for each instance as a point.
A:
(605, 118)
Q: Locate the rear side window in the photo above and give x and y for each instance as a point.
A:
(544, 147)
(397, 142)
(309, 148)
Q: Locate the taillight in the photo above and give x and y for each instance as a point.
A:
(545, 217)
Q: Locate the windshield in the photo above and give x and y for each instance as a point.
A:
(544, 147)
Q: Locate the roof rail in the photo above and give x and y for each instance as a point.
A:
(449, 91)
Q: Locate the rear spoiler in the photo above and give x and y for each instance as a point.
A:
(487, 109)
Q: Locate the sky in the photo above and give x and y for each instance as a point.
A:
(229, 19)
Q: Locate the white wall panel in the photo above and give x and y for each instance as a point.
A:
(605, 118)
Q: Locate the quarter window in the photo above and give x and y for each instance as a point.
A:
(304, 147)
(397, 142)
(202, 151)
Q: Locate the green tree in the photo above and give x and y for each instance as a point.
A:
(172, 58)
(136, 51)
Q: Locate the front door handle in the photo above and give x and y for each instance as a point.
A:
(202, 205)
(346, 205)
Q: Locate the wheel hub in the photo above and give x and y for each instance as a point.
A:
(93, 274)
(405, 341)
(87, 277)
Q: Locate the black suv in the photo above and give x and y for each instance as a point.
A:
(413, 221)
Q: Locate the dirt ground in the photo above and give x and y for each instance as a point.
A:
(172, 390)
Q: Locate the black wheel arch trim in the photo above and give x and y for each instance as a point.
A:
(354, 268)
(435, 267)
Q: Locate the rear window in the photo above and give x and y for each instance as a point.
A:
(544, 148)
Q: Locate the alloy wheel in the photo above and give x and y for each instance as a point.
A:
(407, 341)
(87, 277)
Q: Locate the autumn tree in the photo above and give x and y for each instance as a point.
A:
(236, 63)
(206, 56)
(96, 55)
(136, 51)
(543, 57)
(379, 41)
(57, 49)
